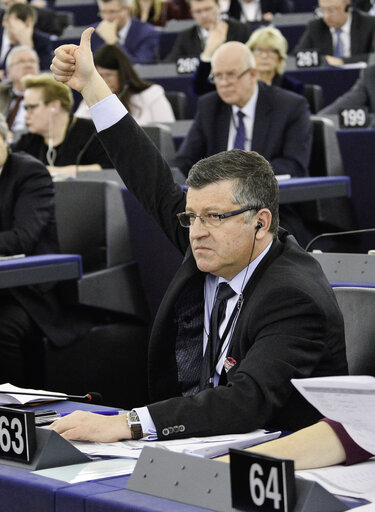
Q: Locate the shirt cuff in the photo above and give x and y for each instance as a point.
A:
(354, 453)
(148, 426)
(107, 112)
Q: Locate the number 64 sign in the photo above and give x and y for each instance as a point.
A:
(261, 483)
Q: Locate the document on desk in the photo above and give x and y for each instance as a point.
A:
(31, 396)
(349, 400)
(209, 447)
(356, 481)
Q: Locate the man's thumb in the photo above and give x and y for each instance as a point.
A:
(86, 38)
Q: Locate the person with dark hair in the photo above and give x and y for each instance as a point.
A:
(206, 13)
(61, 141)
(139, 40)
(145, 101)
(18, 28)
(341, 34)
(245, 290)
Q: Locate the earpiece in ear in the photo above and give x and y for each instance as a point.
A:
(258, 226)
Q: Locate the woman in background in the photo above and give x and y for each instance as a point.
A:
(145, 101)
(158, 12)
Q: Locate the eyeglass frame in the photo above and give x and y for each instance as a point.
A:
(233, 78)
(110, 12)
(217, 216)
(32, 106)
(269, 52)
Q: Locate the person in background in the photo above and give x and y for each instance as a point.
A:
(139, 40)
(21, 61)
(28, 226)
(158, 12)
(18, 28)
(256, 11)
(145, 101)
(206, 13)
(63, 142)
(270, 49)
(46, 19)
(341, 35)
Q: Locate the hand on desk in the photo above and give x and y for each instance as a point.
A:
(88, 426)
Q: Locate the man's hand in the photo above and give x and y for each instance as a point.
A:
(107, 30)
(74, 65)
(87, 426)
(20, 32)
(334, 61)
(217, 36)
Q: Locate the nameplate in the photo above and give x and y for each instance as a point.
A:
(17, 435)
(261, 483)
(307, 59)
(186, 65)
(354, 117)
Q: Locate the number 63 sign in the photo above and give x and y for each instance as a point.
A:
(261, 483)
(17, 434)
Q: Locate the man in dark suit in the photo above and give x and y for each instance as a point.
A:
(282, 320)
(258, 10)
(18, 28)
(28, 226)
(191, 42)
(277, 123)
(139, 40)
(342, 35)
(362, 94)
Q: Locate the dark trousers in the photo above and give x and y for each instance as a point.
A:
(16, 330)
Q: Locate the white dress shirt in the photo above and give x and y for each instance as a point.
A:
(249, 111)
(345, 36)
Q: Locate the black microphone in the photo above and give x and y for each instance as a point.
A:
(84, 149)
(339, 233)
(93, 396)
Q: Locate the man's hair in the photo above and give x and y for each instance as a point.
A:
(273, 38)
(123, 3)
(22, 12)
(254, 182)
(13, 52)
(51, 89)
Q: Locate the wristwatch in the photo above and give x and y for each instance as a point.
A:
(134, 425)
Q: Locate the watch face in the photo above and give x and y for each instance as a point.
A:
(133, 417)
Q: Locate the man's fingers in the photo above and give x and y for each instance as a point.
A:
(86, 38)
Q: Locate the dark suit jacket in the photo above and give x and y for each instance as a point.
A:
(290, 324)
(362, 94)
(189, 44)
(318, 35)
(28, 226)
(273, 6)
(282, 131)
(141, 44)
(42, 46)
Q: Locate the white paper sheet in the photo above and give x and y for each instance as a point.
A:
(347, 399)
(203, 446)
(38, 395)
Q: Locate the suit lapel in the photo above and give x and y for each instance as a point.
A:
(263, 117)
(222, 123)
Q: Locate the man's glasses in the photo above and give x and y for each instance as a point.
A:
(32, 106)
(187, 219)
(110, 12)
(231, 76)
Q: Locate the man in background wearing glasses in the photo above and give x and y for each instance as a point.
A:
(245, 113)
(341, 35)
(279, 318)
(139, 40)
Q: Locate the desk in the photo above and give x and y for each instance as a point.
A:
(39, 269)
(297, 190)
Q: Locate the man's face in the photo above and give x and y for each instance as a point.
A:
(23, 63)
(205, 13)
(222, 250)
(114, 11)
(235, 82)
(333, 12)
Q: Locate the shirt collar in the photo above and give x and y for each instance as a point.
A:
(122, 34)
(249, 108)
(239, 281)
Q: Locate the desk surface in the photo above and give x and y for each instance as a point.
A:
(39, 269)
